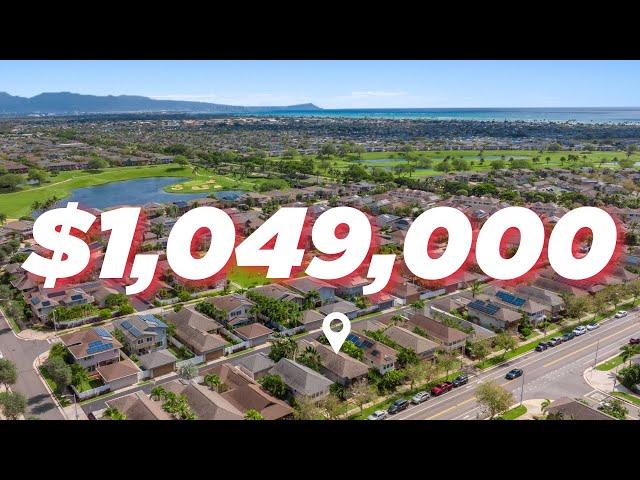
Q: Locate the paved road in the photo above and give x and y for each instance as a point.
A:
(551, 374)
(22, 353)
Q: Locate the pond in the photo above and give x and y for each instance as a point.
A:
(138, 192)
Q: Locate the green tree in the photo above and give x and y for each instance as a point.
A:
(213, 381)
(188, 371)
(446, 362)
(158, 393)
(97, 164)
(505, 342)
(274, 385)
(628, 351)
(8, 372)
(59, 372)
(306, 409)
(282, 347)
(493, 398)
(113, 413)
(253, 414)
(407, 356)
(332, 407)
(615, 408)
(310, 358)
(360, 393)
(13, 404)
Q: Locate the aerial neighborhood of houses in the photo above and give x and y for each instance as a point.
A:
(242, 347)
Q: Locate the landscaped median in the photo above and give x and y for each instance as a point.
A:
(514, 413)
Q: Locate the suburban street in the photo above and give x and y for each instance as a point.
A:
(23, 353)
(551, 374)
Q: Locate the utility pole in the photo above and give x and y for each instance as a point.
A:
(522, 389)
(595, 362)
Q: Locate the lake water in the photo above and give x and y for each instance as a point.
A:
(138, 192)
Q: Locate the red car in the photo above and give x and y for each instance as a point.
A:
(634, 341)
(442, 388)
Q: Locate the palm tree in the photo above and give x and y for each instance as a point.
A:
(213, 381)
(475, 289)
(628, 352)
(158, 392)
(311, 298)
(114, 414)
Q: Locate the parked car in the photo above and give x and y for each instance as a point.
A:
(593, 326)
(460, 380)
(441, 388)
(580, 330)
(398, 406)
(378, 415)
(634, 341)
(568, 336)
(515, 373)
(541, 347)
(554, 341)
(621, 313)
(420, 397)
(1, 356)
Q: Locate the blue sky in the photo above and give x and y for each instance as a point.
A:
(341, 84)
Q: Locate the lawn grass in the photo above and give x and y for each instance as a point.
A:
(610, 364)
(627, 396)
(247, 277)
(389, 159)
(514, 413)
(62, 400)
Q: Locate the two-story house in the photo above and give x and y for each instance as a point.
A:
(143, 333)
(92, 347)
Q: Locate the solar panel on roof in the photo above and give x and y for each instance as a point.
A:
(509, 298)
(102, 332)
(485, 307)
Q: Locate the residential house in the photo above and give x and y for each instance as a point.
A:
(43, 303)
(118, 374)
(376, 354)
(280, 293)
(342, 306)
(198, 332)
(204, 402)
(312, 320)
(447, 337)
(254, 333)
(92, 347)
(337, 367)
(142, 333)
(158, 362)
(138, 406)
(493, 315)
(237, 308)
(305, 285)
(244, 393)
(423, 347)
(301, 380)
(256, 366)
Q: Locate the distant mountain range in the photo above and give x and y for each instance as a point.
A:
(61, 103)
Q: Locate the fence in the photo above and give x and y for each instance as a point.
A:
(77, 322)
(197, 360)
(90, 393)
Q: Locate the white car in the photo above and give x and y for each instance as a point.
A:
(581, 330)
(621, 313)
(593, 326)
(1, 356)
(420, 397)
(378, 415)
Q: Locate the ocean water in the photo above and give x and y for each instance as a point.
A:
(578, 115)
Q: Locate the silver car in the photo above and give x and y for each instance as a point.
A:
(378, 415)
(420, 397)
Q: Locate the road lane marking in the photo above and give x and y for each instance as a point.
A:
(451, 408)
(587, 346)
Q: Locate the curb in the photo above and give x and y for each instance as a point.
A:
(42, 357)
